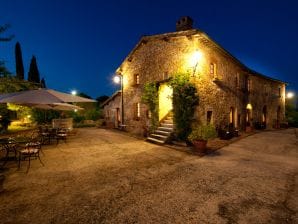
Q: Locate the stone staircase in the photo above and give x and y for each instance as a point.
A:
(164, 131)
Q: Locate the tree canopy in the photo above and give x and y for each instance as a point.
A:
(33, 74)
(19, 62)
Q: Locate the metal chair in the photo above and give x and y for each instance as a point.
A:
(30, 151)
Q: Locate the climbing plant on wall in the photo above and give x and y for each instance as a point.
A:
(150, 98)
(185, 100)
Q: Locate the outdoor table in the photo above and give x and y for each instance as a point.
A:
(8, 145)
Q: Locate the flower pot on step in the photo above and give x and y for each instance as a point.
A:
(200, 145)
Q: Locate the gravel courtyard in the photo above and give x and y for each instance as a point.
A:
(103, 176)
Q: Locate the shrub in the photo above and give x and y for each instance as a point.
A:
(185, 100)
(202, 132)
(150, 98)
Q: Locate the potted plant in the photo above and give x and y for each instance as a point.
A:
(199, 136)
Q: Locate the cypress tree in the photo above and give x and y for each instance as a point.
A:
(33, 74)
(19, 61)
(43, 83)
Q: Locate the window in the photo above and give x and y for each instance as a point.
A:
(137, 111)
(266, 90)
(248, 84)
(237, 78)
(213, 71)
(209, 117)
(279, 92)
(137, 79)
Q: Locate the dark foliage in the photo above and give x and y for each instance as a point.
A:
(292, 116)
(84, 95)
(44, 116)
(19, 62)
(4, 118)
(43, 83)
(33, 74)
(185, 100)
(3, 70)
(3, 28)
(101, 99)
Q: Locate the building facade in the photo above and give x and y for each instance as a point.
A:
(229, 92)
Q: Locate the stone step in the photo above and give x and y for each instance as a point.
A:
(161, 137)
(167, 125)
(168, 129)
(168, 121)
(156, 141)
(167, 133)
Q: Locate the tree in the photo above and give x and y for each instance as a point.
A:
(2, 30)
(33, 74)
(3, 70)
(84, 95)
(43, 83)
(101, 99)
(19, 62)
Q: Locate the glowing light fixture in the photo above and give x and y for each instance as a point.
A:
(290, 95)
(195, 57)
(117, 79)
(249, 106)
(74, 92)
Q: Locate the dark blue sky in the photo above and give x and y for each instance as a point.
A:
(79, 44)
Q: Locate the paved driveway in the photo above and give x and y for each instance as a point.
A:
(101, 176)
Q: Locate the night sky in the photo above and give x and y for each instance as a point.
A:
(79, 44)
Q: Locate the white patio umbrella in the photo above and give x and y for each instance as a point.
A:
(55, 106)
(41, 96)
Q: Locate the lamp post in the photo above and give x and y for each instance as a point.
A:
(119, 79)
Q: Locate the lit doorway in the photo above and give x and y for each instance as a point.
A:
(165, 94)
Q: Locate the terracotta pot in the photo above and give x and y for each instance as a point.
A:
(200, 145)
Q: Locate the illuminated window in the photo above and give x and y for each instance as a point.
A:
(137, 111)
(209, 117)
(148, 113)
(137, 79)
(232, 115)
(213, 70)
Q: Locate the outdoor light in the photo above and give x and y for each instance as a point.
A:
(119, 79)
(75, 110)
(249, 106)
(194, 60)
(74, 92)
(28, 116)
(290, 95)
(196, 57)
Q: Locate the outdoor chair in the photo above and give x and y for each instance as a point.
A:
(45, 135)
(30, 151)
(61, 134)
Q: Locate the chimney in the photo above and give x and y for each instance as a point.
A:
(184, 23)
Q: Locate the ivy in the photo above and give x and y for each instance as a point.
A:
(185, 100)
(150, 98)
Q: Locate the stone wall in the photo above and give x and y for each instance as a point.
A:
(157, 58)
(112, 111)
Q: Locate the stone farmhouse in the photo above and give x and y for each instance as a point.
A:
(229, 92)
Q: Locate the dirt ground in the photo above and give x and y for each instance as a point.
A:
(103, 176)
